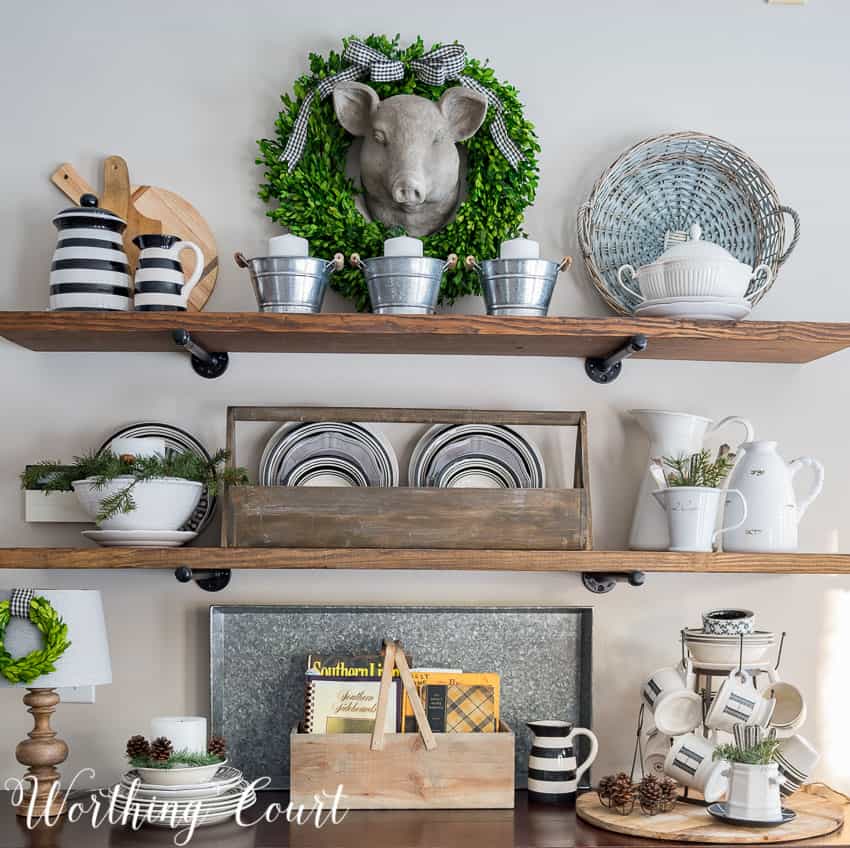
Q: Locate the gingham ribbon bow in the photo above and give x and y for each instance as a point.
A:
(19, 602)
(434, 68)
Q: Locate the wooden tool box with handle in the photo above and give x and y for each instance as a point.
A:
(398, 771)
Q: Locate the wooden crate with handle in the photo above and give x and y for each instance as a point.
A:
(408, 517)
(400, 771)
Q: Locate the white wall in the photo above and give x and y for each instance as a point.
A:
(182, 90)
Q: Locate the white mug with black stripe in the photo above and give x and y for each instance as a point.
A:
(161, 285)
(739, 702)
(553, 773)
(89, 270)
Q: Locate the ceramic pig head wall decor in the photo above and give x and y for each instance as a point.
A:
(409, 163)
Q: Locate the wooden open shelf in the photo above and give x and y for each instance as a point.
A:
(408, 559)
(251, 332)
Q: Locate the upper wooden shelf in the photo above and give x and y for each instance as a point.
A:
(408, 559)
(251, 332)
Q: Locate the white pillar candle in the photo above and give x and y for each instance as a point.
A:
(187, 733)
(403, 246)
(519, 248)
(289, 245)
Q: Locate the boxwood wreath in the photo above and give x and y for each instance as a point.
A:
(316, 200)
(41, 661)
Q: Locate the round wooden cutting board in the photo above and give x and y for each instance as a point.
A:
(692, 823)
(179, 217)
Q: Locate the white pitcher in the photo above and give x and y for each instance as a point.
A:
(773, 513)
(670, 434)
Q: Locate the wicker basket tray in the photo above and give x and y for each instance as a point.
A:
(662, 185)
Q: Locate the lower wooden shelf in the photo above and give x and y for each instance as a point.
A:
(410, 559)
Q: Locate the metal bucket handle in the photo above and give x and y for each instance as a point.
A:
(241, 261)
(472, 263)
(335, 264)
(449, 265)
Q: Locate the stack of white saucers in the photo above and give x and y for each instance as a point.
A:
(710, 651)
(212, 802)
(697, 308)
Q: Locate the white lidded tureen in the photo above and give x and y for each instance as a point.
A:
(695, 268)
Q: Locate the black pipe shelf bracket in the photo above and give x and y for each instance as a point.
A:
(607, 369)
(206, 363)
(210, 579)
(600, 583)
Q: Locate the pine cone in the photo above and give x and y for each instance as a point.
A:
(161, 749)
(138, 746)
(217, 747)
(622, 796)
(649, 794)
(604, 789)
(669, 794)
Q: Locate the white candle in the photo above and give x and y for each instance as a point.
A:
(403, 246)
(519, 248)
(288, 245)
(187, 733)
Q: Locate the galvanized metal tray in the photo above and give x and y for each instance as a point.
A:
(258, 655)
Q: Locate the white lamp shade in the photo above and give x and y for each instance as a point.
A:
(86, 662)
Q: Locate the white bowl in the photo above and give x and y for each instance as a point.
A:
(162, 504)
(726, 649)
(179, 776)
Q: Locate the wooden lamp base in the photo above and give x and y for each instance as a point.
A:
(42, 752)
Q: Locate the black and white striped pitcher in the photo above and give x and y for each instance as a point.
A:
(553, 773)
(161, 285)
(89, 269)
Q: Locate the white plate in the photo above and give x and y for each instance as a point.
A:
(699, 309)
(230, 800)
(140, 538)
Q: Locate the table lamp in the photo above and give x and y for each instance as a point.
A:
(84, 663)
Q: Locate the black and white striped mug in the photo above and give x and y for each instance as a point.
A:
(89, 270)
(160, 284)
(553, 773)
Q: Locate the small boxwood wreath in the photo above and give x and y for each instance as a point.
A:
(316, 199)
(41, 661)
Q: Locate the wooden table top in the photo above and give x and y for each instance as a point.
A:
(529, 825)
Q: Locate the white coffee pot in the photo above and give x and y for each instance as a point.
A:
(773, 513)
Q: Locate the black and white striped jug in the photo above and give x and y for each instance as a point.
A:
(553, 773)
(161, 285)
(90, 269)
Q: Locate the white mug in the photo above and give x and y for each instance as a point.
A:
(690, 761)
(790, 712)
(738, 702)
(692, 515)
(754, 792)
(797, 753)
(676, 709)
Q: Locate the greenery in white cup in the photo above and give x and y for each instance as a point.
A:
(699, 469)
(104, 467)
(761, 754)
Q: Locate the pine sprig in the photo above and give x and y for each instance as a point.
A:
(105, 467)
(179, 759)
(758, 755)
(699, 469)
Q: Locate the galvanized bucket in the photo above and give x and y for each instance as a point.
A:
(403, 285)
(518, 286)
(290, 283)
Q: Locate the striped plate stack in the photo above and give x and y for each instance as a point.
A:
(90, 269)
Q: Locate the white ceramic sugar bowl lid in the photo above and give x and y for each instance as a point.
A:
(695, 248)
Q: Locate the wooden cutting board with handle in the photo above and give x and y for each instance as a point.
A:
(149, 210)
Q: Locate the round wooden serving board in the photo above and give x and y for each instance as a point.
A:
(692, 823)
